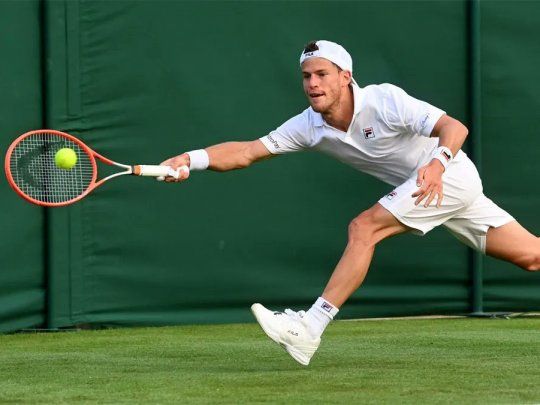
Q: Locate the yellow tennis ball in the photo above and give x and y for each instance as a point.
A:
(65, 158)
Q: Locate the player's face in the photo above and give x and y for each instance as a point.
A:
(324, 84)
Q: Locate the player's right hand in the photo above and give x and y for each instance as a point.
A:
(175, 163)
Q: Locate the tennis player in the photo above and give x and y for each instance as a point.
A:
(405, 142)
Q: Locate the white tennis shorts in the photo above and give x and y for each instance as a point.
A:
(465, 211)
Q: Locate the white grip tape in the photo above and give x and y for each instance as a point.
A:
(160, 172)
(156, 171)
(173, 173)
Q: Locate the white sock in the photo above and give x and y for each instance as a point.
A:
(319, 316)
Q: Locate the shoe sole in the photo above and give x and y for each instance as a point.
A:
(295, 354)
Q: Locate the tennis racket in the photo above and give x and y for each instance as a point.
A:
(33, 174)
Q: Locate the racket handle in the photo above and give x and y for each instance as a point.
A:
(160, 172)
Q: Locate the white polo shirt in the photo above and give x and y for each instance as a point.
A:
(388, 136)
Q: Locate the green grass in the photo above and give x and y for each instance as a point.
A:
(407, 361)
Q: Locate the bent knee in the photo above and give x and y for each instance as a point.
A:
(530, 262)
(363, 229)
(374, 225)
(533, 265)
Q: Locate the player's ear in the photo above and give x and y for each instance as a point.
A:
(347, 77)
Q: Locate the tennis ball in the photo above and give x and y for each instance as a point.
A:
(65, 158)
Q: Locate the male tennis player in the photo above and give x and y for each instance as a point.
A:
(382, 131)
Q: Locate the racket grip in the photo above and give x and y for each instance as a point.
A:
(160, 172)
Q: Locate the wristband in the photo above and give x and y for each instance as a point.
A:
(198, 159)
(443, 154)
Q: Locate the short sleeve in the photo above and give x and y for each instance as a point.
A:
(402, 111)
(291, 136)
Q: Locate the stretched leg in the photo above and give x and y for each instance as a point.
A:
(299, 334)
(513, 243)
(365, 231)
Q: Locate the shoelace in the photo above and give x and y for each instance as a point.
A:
(294, 314)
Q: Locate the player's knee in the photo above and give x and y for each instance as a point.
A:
(528, 261)
(532, 262)
(362, 229)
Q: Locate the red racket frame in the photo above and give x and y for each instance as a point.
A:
(92, 155)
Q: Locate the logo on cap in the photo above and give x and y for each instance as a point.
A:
(331, 51)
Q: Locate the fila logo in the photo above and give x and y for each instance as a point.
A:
(309, 53)
(327, 307)
(391, 195)
(369, 133)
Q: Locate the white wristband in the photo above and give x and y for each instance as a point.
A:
(198, 159)
(443, 154)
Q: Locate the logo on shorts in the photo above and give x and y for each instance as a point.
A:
(369, 133)
(391, 195)
(327, 307)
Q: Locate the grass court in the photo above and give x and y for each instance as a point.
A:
(384, 361)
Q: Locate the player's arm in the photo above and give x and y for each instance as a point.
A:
(224, 156)
(236, 155)
(452, 135)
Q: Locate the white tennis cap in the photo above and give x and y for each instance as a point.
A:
(329, 50)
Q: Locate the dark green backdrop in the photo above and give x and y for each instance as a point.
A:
(22, 277)
(140, 81)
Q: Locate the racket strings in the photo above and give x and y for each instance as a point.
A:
(35, 173)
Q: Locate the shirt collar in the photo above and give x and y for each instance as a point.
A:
(357, 95)
(318, 120)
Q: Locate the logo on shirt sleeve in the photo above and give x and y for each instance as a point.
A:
(424, 121)
(369, 133)
(391, 195)
(274, 142)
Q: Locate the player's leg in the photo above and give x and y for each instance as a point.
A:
(396, 212)
(365, 231)
(299, 332)
(513, 243)
(486, 227)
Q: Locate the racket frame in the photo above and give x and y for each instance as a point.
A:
(92, 155)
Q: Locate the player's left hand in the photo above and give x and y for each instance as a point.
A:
(430, 182)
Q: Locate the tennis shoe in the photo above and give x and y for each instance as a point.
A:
(289, 331)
